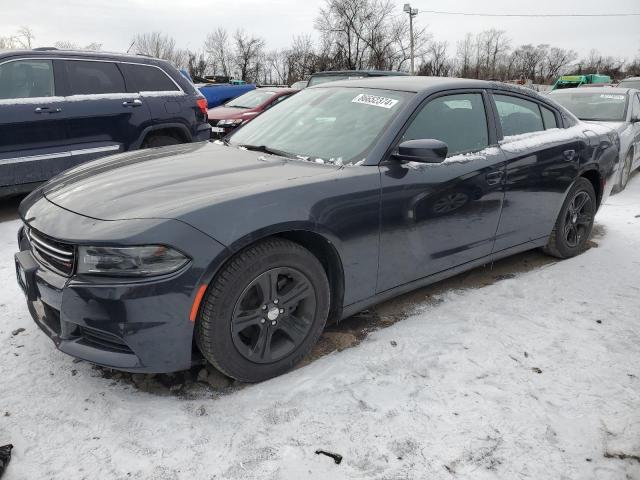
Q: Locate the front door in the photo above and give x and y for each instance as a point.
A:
(438, 216)
(32, 122)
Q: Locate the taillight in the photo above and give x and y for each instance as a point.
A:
(202, 105)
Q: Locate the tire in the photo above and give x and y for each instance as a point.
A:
(573, 226)
(626, 170)
(155, 141)
(264, 311)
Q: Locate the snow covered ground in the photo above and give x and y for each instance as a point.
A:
(536, 376)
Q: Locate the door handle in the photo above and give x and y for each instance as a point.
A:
(569, 155)
(132, 103)
(47, 110)
(494, 178)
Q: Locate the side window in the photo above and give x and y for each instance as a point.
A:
(549, 118)
(87, 78)
(142, 78)
(518, 116)
(458, 120)
(26, 79)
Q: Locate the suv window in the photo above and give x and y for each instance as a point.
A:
(142, 78)
(86, 78)
(26, 79)
(444, 118)
(636, 106)
(518, 116)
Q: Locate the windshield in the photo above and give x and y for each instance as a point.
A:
(320, 79)
(332, 125)
(251, 99)
(593, 106)
(630, 83)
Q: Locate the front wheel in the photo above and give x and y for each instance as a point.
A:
(264, 311)
(575, 221)
(626, 170)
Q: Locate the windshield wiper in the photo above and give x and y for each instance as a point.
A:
(268, 150)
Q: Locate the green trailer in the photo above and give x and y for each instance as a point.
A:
(573, 81)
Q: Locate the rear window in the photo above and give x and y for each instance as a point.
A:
(586, 105)
(143, 78)
(26, 79)
(90, 78)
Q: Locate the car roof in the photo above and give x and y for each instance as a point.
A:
(377, 73)
(89, 54)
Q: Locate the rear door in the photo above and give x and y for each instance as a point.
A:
(542, 163)
(438, 216)
(166, 101)
(635, 125)
(32, 122)
(102, 117)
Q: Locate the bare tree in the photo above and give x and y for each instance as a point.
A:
(22, 39)
(248, 53)
(218, 48)
(436, 63)
(66, 45)
(557, 60)
(302, 59)
(197, 64)
(160, 45)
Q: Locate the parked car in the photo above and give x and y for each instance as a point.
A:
(220, 93)
(630, 82)
(618, 108)
(61, 108)
(573, 81)
(336, 75)
(243, 109)
(341, 197)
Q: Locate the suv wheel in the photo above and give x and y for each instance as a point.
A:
(575, 221)
(154, 141)
(264, 311)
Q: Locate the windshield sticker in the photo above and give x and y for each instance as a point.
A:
(612, 97)
(375, 100)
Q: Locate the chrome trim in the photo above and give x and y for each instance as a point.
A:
(38, 57)
(67, 154)
(43, 243)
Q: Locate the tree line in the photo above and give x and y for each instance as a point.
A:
(364, 34)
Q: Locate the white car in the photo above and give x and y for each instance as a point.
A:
(618, 108)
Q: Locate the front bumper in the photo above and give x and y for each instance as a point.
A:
(133, 325)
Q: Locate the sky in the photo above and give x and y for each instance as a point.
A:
(113, 23)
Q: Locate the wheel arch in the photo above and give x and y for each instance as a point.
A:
(176, 130)
(320, 244)
(594, 176)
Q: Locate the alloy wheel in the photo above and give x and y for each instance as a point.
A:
(273, 315)
(578, 218)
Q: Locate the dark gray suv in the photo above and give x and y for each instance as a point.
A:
(61, 108)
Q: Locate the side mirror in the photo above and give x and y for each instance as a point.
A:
(422, 151)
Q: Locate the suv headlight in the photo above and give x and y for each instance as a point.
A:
(142, 261)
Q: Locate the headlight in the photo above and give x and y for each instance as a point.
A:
(140, 261)
(229, 123)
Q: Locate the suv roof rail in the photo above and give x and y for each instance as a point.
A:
(44, 49)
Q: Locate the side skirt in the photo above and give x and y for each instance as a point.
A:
(354, 308)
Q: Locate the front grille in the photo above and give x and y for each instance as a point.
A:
(103, 340)
(57, 255)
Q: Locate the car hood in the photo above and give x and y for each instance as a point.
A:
(174, 181)
(223, 113)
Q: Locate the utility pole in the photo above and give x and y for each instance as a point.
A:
(412, 13)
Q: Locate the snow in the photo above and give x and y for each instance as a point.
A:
(536, 376)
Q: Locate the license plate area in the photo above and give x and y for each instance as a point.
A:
(217, 129)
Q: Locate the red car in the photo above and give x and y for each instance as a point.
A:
(243, 109)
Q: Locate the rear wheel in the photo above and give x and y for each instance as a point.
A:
(264, 311)
(575, 221)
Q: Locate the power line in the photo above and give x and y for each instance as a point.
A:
(475, 14)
